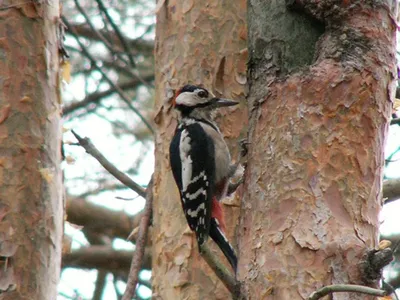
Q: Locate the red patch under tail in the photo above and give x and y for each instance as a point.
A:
(218, 214)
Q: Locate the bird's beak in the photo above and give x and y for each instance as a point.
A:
(221, 102)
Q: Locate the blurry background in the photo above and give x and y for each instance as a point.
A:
(108, 98)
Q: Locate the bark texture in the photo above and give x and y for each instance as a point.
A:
(31, 206)
(201, 43)
(314, 175)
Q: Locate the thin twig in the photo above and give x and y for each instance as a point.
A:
(140, 245)
(221, 271)
(121, 93)
(117, 31)
(341, 288)
(95, 31)
(98, 33)
(96, 97)
(390, 290)
(122, 177)
(117, 292)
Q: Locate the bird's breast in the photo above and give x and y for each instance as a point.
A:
(221, 153)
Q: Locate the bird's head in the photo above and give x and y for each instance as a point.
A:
(192, 100)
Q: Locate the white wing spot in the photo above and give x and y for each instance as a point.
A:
(184, 149)
(194, 213)
(195, 195)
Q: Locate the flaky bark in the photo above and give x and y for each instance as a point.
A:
(314, 176)
(31, 206)
(200, 43)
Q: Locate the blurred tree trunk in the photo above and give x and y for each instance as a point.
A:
(200, 43)
(317, 132)
(31, 206)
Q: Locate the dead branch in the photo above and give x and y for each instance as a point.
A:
(374, 261)
(395, 121)
(92, 150)
(102, 257)
(100, 284)
(100, 219)
(121, 38)
(391, 190)
(95, 98)
(121, 93)
(341, 288)
(137, 260)
(144, 47)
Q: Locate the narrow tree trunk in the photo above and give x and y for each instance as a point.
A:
(314, 175)
(31, 207)
(201, 43)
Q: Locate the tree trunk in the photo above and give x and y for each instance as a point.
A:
(314, 174)
(205, 44)
(31, 207)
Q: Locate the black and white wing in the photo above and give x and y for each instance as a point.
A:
(192, 162)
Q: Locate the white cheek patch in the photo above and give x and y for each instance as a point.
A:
(190, 99)
(186, 99)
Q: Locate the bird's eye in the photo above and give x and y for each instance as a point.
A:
(202, 94)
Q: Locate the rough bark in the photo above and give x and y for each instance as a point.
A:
(31, 206)
(314, 175)
(200, 43)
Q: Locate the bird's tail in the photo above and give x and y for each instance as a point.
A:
(220, 239)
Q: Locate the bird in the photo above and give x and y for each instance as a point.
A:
(201, 165)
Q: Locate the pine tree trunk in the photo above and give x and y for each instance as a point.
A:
(314, 175)
(31, 206)
(201, 43)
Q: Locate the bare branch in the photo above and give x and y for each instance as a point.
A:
(100, 284)
(391, 190)
(395, 121)
(140, 245)
(117, 31)
(373, 262)
(341, 288)
(92, 150)
(123, 96)
(144, 47)
(100, 219)
(395, 282)
(103, 257)
(95, 98)
(94, 30)
(221, 271)
(390, 290)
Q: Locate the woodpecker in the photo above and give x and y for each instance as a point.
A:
(201, 165)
